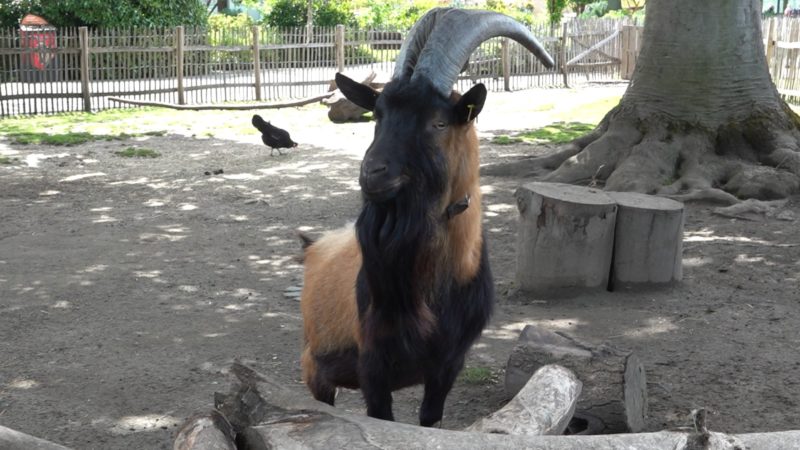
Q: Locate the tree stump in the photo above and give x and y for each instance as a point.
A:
(648, 243)
(614, 385)
(544, 406)
(210, 431)
(566, 238)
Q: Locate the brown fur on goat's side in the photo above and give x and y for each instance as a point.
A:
(328, 300)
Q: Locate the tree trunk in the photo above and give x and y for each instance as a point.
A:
(701, 113)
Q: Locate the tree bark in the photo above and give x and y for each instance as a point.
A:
(701, 114)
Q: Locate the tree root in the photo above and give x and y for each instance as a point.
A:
(682, 161)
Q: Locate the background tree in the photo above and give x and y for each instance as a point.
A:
(294, 13)
(103, 13)
(700, 116)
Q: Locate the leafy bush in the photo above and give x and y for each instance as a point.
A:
(103, 13)
(393, 15)
(596, 9)
(292, 13)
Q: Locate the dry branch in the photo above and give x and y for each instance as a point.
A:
(246, 107)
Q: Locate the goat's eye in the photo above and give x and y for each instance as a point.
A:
(440, 124)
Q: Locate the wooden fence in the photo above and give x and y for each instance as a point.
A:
(78, 69)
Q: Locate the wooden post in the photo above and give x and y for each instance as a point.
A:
(256, 63)
(771, 42)
(179, 62)
(563, 52)
(83, 36)
(504, 56)
(339, 42)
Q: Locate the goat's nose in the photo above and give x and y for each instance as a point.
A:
(376, 169)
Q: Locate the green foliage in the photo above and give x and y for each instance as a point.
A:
(104, 13)
(293, 13)
(595, 9)
(39, 138)
(137, 152)
(558, 132)
(505, 139)
(393, 15)
(477, 375)
(5, 160)
(521, 12)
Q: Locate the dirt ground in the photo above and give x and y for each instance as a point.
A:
(128, 286)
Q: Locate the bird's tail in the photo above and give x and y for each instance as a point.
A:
(260, 124)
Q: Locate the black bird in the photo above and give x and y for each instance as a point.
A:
(272, 136)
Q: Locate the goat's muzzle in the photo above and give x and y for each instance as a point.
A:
(379, 182)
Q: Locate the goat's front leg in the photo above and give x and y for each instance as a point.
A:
(374, 378)
(438, 382)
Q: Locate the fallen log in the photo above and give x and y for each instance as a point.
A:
(647, 241)
(614, 389)
(246, 107)
(210, 431)
(566, 238)
(15, 440)
(268, 415)
(544, 406)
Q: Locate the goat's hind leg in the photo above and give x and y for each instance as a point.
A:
(438, 383)
(374, 373)
(314, 376)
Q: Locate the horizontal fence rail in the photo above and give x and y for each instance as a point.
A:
(80, 69)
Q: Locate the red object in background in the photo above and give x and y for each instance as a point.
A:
(37, 34)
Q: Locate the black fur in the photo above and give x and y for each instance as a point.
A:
(403, 179)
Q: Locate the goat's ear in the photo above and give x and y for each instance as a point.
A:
(358, 93)
(471, 103)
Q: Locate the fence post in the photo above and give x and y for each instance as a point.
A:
(563, 52)
(83, 37)
(179, 62)
(339, 43)
(257, 62)
(770, 42)
(506, 61)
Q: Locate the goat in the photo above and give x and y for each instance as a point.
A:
(399, 298)
(272, 136)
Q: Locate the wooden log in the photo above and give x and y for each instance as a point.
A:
(301, 102)
(210, 431)
(614, 385)
(342, 110)
(544, 406)
(566, 238)
(15, 440)
(648, 248)
(268, 415)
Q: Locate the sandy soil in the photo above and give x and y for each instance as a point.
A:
(128, 286)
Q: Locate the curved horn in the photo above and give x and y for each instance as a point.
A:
(451, 36)
(415, 42)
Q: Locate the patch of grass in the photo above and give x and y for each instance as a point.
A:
(505, 139)
(6, 160)
(137, 152)
(39, 138)
(476, 375)
(558, 132)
